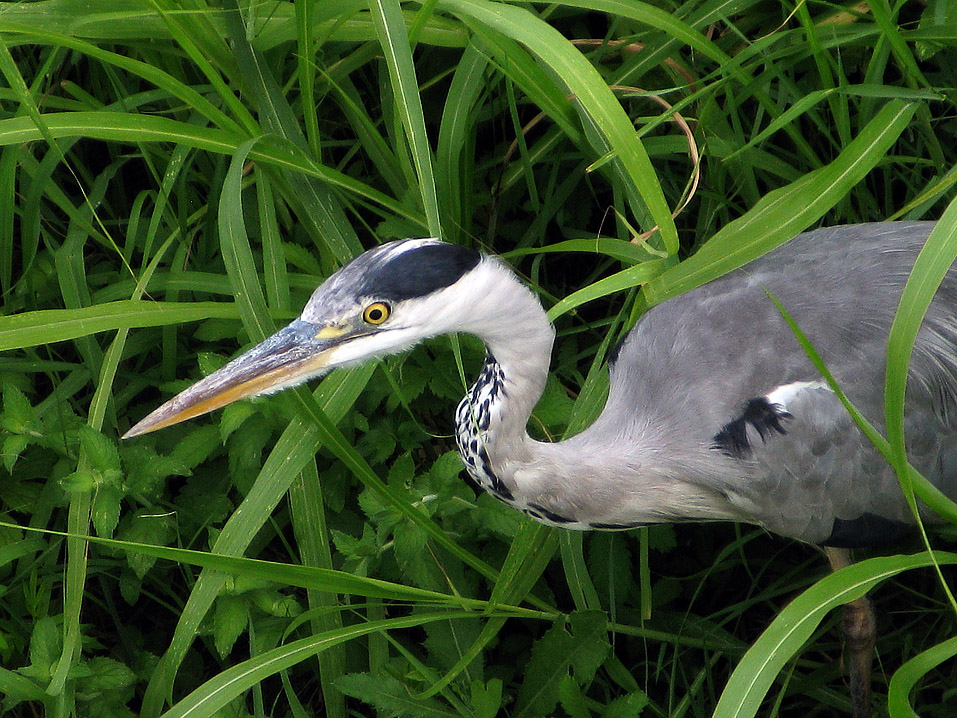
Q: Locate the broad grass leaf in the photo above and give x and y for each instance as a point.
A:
(785, 637)
(787, 211)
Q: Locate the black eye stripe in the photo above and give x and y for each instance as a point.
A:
(418, 272)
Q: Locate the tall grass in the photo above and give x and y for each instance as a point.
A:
(176, 177)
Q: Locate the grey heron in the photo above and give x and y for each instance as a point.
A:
(714, 411)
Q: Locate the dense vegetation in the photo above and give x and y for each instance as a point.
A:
(176, 177)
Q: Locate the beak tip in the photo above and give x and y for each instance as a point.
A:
(139, 428)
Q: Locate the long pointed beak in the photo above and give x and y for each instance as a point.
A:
(287, 358)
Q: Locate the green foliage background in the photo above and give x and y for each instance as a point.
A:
(175, 179)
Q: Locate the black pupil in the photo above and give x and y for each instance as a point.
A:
(375, 314)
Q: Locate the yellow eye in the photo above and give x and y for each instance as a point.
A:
(376, 313)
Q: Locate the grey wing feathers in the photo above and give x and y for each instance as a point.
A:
(694, 365)
(823, 474)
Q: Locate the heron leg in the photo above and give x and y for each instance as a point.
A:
(860, 633)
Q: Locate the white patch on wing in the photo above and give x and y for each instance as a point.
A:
(784, 394)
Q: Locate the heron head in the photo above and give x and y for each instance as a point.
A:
(384, 301)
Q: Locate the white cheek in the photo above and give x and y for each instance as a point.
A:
(374, 345)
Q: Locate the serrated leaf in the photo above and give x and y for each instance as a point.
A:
(588, 628)
(662, 537)
(555, 406)
(572, 700)
(45, 646)
(274, 603)
(390, 697)
(580, 649)
(130, 588)
(78, 481)
(402, 471)
(487, 698)
(107, 675)
(409, 542)
(147, 528)
(100, 452)
(230, 619)
(195, 447)
(105, 513)
(13, 446)
(629, 706)
(18, 413)
(233, 416)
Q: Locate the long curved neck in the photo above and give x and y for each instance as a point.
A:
(588, 481)
(491, 419)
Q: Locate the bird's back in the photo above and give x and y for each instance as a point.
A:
(719, 381)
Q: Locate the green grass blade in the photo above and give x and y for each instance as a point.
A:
(53, 325)
(237, 254)
(932, 264)
(295, 448)
(394, 39)
(220, 690)
(599, 105)
(143, 128)
(784, 638)
(787, 211)
(906, 677)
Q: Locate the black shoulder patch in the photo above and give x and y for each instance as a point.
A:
(420, 271)
(764, 416)
(866, 530)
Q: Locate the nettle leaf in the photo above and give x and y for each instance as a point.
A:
(402, 472)
(377, 510)
(555, 406)
(495, 516)
(445, 470)
(629, 706)
(145, 527)
(18, 414)
(78, 481)
(105, 513)
(662, 537)
(580, 650)
(147, 470)
(196, 446)
(390, 697)
(412, 556)
(45, 647)
(233, 417)
(301, 258)
(378, 443)
(572, 699)
(487, 698)
(446, 641)
(412, 381)
(230, 619)
(130, 587)
(13, 446)
(359, 553)
(274, 603)
(100, 452)
(107, 675)
(211, 331)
